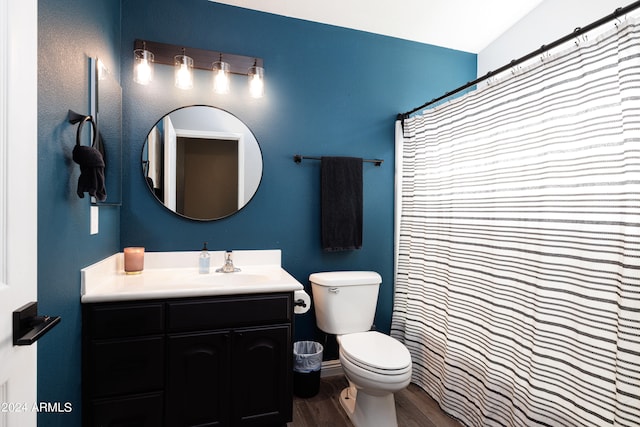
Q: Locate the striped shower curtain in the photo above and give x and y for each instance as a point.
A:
(518, 242)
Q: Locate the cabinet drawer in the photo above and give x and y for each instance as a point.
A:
(131, 366)
(137, 410)
(206, 314)
(125, 320)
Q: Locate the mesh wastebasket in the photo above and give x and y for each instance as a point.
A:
(307, 363)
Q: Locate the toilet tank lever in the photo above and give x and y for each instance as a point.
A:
(334, 290)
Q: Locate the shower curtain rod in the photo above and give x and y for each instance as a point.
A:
(576, 33)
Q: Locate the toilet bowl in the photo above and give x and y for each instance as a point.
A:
(375, 364)
(376, 357)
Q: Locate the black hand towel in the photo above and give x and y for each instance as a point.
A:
(341, 181)
(91, 172)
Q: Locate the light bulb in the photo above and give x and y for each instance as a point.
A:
(256, 87)
(143, 73)
(221, 83)
(256, 81)
(143, 66)
(183, 78)
(184, 72)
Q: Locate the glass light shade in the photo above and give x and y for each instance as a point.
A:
(221, 82)
(142, 66)
(183, 71)
(256, 81)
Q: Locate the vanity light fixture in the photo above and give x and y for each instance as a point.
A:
(221, 81)
(142, 65)
(256, 80)
(183, 71)
(201, 59)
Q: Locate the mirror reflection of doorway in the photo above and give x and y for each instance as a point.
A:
(211, 126)
(209, 167)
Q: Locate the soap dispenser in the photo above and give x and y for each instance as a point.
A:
(205, 260)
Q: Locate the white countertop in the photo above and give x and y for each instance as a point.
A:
(175, 275)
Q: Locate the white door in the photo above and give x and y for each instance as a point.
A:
(18, 204)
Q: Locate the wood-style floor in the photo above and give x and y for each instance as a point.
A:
(414, 408)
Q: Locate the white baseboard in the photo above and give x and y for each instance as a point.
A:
(331, 368)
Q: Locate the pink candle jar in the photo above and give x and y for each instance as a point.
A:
(133, 260)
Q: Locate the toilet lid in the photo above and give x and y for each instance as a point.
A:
(376, 350)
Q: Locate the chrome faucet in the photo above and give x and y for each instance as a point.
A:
(228, 266)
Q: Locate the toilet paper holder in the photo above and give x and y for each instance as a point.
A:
(301, 302)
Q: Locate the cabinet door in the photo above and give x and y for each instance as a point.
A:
(199, 380)
(262, 381)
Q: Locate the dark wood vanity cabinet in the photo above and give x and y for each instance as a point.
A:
(209, 361)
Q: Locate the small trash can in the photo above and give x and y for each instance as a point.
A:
(307, 363)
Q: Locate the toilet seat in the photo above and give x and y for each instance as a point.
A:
(375, 352)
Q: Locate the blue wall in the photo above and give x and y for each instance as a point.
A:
(330, 91)
(69, 32)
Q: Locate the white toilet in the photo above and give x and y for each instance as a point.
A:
(375, 364)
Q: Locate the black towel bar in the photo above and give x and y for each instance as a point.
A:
(298, 158)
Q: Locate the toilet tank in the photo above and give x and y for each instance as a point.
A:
(345, 301)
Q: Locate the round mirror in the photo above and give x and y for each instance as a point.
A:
(202, 162)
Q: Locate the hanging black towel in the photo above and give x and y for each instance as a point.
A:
(91, 172)
(341, 180)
